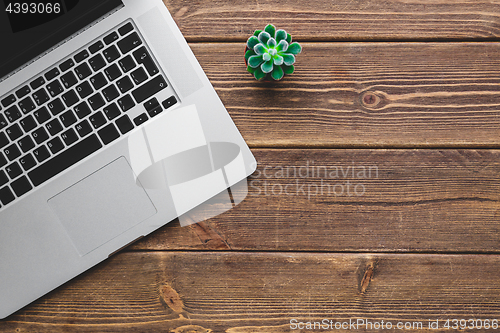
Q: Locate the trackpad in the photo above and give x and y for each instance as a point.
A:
(102, 206)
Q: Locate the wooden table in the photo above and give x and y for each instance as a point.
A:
(406, 89)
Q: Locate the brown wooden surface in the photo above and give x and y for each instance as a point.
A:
(421, 243)
(261, 292)
(424, 94)
(319, 20)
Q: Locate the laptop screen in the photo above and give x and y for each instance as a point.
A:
(30, 28)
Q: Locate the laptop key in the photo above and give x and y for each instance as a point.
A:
(41, 153)
(4, 140)
(127, 64)
(125, 29)
(97, 62)
(84, 89)
(126, 103)
(55, 145)
(40, 135)
(13, 170)
(69, 137)
(54, 127)
(110, 38)
(6, 195)
(96, 47)
(149, 89)
(61, 162)
(27, 105)
(83, 71)
(26, 144)
(81, 56)
(42, 115)
(68, 118)
(140, 119)
(98, 81)
(110, 93)
(108, 134)
(139, 75)
(12, 152)
(82, 110)
(3, 121)
(37, 83)
(129, 43)
(124, 84)
(69, 80)
(142, 57)
(111, 111)
(3, 161)
(3, 178)
(70, 98)
(111, 54)
(12, 113)
(27, 162)
(8, 100)
(28, 123)
(14, 132)
(169, 102)
(56, 106)
(67, 65)
(52, 74)
(96, 101)
(21, 186)
(20, 93)
(97, 119)
(112, 72)
(40, 96)
(124, 124)
(83, 128)
(151, 104)
(54, 88)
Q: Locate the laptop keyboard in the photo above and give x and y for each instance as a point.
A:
(75, 109)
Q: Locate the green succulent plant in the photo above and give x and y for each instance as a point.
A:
(271, 53)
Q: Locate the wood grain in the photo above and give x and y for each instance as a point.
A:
(365, 95)
(338, 20)
(396, 200)
(261, 292)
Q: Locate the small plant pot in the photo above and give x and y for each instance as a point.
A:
(270, 54)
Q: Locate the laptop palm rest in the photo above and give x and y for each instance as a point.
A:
(102, 206)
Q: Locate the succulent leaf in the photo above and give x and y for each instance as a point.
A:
(271, 42)
(259, 74)
(288, 69)
(266, 57)
(252, 41)
(288, 59)
(294, 48)
(255, 61)
(280, 35)
(259, 49)
(250, 69)
(288, 38)
(264, 37)
(248, 54)
(257, 32)
(278, 60)
(277, 73)
(270, 29)
(282, 46)
(267, 66)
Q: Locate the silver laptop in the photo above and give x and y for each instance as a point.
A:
(109, 129)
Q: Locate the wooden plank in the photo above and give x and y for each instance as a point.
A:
(261, 292)
(356, 200)
(319, 20)
(365, 95)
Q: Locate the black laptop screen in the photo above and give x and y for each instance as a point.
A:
(32, 27)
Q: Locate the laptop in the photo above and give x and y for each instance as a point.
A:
(109, 129)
